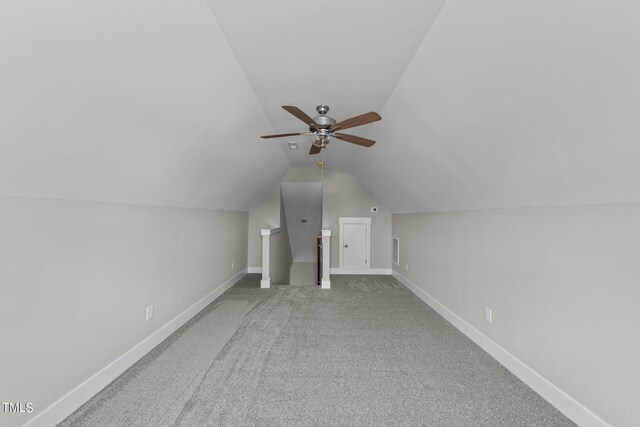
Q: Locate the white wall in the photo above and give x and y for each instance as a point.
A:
(76, 277)
(563, 284)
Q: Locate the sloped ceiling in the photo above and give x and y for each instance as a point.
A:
(135, 101)
(511, 104)
(346, 54)
(485, 104)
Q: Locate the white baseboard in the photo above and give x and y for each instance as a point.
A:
(360, 271)
(339, 270)
(562, 401)
(65, 406)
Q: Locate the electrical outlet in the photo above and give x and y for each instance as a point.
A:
(150, 312)
(406, 267)
(487, 315)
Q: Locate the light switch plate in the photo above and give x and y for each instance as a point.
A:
(150, 312)
(487, 315)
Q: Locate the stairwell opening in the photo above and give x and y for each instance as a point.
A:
(302, 202)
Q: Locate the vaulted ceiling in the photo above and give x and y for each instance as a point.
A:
(487, 104)
(514, 103)
(346, 54)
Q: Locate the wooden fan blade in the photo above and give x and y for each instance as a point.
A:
(360, 120)
(315, 149)
(284, 134)
(355, 139)
(298, 113)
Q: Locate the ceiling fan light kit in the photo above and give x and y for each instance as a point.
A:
(324, 127)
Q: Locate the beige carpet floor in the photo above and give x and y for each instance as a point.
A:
(367, 352)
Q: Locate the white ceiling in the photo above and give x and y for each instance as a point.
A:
(514, 103)
(499, 103)
(134, 101)
(346, 54)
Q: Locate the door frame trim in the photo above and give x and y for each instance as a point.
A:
(355, 220)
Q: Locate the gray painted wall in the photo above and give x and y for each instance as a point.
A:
(264, 214)
(280, 252)
(562, 284)
(76, 278)
(303, 200)
(344, 195)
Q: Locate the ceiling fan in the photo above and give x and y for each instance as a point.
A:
(324, 127)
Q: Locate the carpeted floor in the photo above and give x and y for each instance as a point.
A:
(367, 352)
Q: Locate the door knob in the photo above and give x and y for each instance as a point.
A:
(346, 246)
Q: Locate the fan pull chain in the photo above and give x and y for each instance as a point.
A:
(320, 164)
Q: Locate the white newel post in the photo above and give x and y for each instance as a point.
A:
(266, 274)
(326, 259)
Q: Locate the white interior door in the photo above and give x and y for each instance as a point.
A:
(354, 245)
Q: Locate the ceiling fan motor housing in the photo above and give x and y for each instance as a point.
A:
(324, 121)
